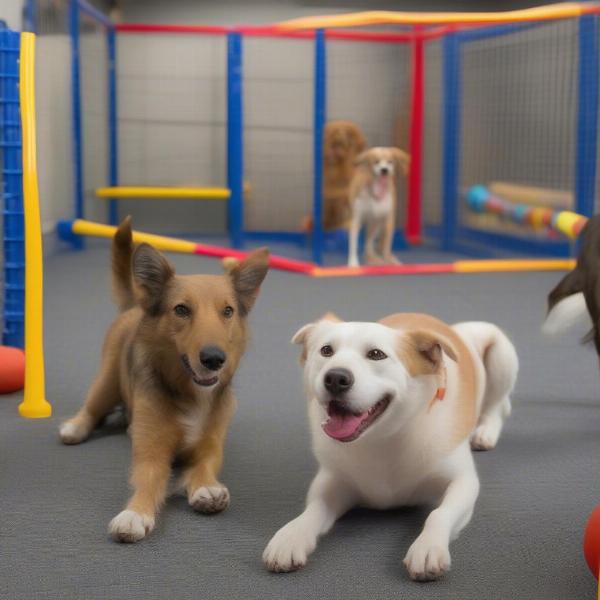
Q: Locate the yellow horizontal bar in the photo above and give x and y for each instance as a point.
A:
(492, 266)
(213, 193)
(386, 17)
(160, 242)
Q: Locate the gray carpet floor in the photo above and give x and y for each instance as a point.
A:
(524, 541)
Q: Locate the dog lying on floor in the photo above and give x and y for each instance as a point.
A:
(373, 200)
(576, 298)
(343, 141)
(392, 406)
(170, 357)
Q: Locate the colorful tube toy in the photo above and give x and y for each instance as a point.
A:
(570, 224)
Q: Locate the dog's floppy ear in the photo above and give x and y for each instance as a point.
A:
(301, 336)
(362, 158)
(247, 276)
(402, 160)
(152, 273)
(357, 139)
(423, 351)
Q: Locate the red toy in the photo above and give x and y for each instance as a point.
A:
(591, 542)
(12, 369)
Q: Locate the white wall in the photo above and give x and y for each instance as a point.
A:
(10, 11)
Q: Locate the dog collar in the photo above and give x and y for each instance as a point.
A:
(440, 393)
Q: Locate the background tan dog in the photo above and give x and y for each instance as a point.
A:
(170, 357)
(343, 141)
(373, 200)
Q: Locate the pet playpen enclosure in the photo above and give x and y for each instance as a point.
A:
(243, 109)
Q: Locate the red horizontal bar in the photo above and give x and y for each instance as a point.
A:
(277, 262)
(274, 32)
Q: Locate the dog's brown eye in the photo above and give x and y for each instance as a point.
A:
(327, 351)
(228, 312)
(376, 354)
(181, 310)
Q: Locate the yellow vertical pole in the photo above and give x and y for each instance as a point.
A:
(34, 403)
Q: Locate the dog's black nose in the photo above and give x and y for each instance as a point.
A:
(384, 170)
(338, 381)
(212, 357)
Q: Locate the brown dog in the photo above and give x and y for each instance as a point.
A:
(373, 200)
(343, 141)
(170, 357)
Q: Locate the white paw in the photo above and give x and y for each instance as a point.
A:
(353, 262)
(130, 526)
(72, 433)
(289, 548)
(427, 559)
(210, 499)
(392, 260)
(486, 434)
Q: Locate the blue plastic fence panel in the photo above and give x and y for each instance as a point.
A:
(235, 141)
(451, 125)
(320, 116)
(587, 115)
(12, 191)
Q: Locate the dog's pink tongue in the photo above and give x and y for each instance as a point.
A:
(340, 426)
(380, 187)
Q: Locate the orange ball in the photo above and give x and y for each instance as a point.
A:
(591, 542)
(12, 369)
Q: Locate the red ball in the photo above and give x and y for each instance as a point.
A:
(12, 369)
(591, 542)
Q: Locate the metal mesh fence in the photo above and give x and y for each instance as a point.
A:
(93, 55)
(172, 115)
(369, 84)
(518, 113)
(278, 112)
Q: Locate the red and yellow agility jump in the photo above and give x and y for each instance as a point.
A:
(169, 244)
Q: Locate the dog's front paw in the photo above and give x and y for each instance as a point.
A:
(486, 434)
(427, 560)
(72, 432)
(210, 499)
(289, 548)
(353, 263)
(129, 526)
(390, 259)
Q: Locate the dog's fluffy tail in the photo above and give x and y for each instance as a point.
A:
(566, 305)
(122, 251)
(569, 313)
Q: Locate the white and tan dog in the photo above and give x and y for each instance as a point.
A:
(373, 202)
(392, 408)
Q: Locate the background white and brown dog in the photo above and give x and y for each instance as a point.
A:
(373, 200)
(392, 408)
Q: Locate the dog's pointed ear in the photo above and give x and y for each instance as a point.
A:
(423, 351)
(402, 160)
(247, 276)
(152, 273)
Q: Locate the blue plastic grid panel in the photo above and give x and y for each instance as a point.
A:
(278, 132)
(518, 113)
(12, 288)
